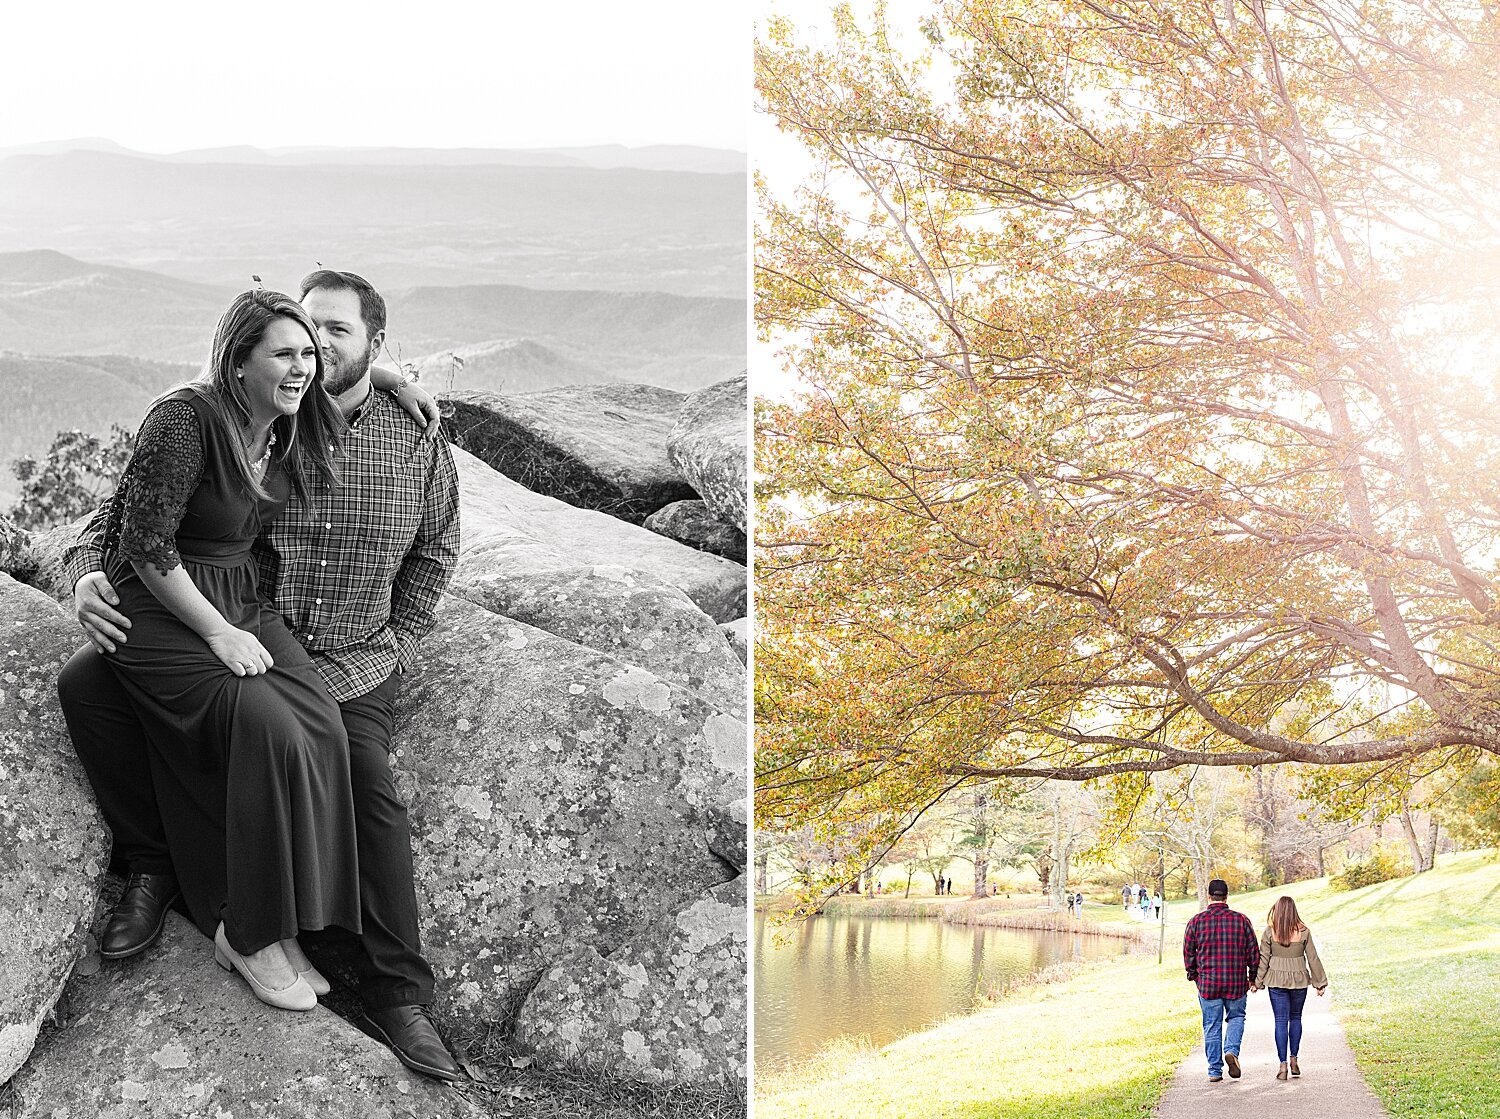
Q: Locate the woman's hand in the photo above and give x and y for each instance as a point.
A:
(412, 397)
(241, 651)
(1320, 991)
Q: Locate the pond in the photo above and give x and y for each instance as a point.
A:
(886, 977)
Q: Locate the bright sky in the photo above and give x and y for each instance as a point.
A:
(171, 75)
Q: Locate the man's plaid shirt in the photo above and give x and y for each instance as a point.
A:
(1220, 951)
(358, 574)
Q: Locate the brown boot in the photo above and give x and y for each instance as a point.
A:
(1281, 1072)
(1295, 1070)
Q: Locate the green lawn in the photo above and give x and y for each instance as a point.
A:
(1414, 966)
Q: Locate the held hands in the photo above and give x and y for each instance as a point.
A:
(94, 602)
(241, 651)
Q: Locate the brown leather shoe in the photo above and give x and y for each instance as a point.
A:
(1216, 1080)
(1281, 1073)
(1295, 1070)
(139, 915)
(1232, 1061)
(409, 1031)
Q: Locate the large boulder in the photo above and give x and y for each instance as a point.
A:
(669, 1003)
(627, 613)
(709, 447)
(510, 531)
(53, 845)
(559, 797)
(693, 523)
(170, 1034)
(598, 447)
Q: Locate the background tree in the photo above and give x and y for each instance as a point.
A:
(1141, 346)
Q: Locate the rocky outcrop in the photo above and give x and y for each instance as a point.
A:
(629, 1007)
(53, 845)
(738, 633)
(508, 530)
(709, 447)
(170, 1034)
(627, 613)
(693, 524)
(600, 447)
(36, 558)
(559, 797)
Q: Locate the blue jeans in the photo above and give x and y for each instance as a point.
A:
(1286, 1004)
(1219, 1038)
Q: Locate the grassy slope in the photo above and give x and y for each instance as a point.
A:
(1415, 970)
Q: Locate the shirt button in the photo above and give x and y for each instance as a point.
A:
(317, 602)
(323, 562)
(327, 524)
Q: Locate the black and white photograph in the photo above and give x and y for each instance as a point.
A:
(373, 560)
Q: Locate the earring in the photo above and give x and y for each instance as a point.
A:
(241, 376)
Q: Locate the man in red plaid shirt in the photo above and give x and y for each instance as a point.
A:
(1221, 953)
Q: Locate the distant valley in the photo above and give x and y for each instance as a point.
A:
(550, 226)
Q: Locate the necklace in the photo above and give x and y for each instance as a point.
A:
(260, 464)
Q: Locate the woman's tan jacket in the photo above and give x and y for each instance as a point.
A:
(1290, 965)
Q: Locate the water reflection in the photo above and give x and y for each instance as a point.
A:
(887, 977)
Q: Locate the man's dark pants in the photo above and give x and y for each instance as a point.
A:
(387, 957)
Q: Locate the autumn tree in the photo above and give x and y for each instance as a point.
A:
(1144, 354)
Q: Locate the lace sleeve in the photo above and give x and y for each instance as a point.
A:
(162, 475)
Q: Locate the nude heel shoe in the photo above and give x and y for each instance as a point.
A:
(299, 996)
(1295, 1070)
(1281, 1073)
(299, 960)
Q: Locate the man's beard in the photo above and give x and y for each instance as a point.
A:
(340, 379)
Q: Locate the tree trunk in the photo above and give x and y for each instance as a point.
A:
(1409, 830)
(1200, 881)
(908, 885)
(1430, 854)
(981, 825)
(762, 871)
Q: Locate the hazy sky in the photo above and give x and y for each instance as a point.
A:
(169, 75)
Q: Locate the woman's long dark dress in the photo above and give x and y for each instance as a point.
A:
(252, 772)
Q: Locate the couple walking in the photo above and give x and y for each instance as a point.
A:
(1226, 960)
(252, 592)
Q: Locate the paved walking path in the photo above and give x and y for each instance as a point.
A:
(1330, 1087)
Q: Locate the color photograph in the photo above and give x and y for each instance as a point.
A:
(1126, 559)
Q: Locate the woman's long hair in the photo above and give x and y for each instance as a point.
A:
(307, 441)
(1284, 921)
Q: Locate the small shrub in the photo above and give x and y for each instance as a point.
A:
(1381, 866)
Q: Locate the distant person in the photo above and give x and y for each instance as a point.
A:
(1221, 954)
(1125, 895)
(1078, 904)
(1156, 906)
(1145, 906)
(1289, 964)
